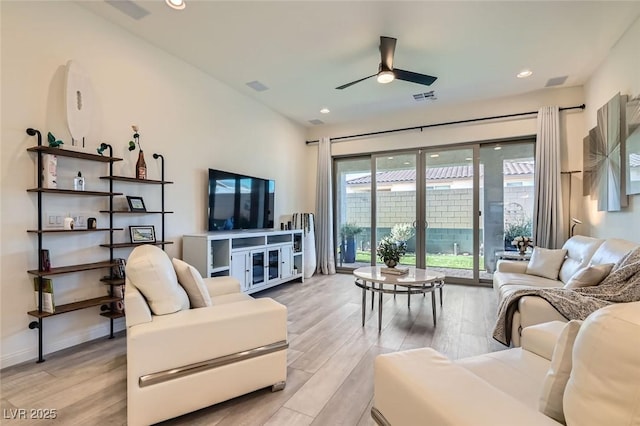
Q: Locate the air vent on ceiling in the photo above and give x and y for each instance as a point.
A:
(257, 86)
(418, 97)
(129, 8)
(316, 122)
(556, 81)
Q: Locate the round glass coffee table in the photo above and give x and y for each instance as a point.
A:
(416, 281)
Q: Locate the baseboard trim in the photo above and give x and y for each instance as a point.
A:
(30, 354)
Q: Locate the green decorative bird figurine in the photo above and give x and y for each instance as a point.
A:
(53, 143)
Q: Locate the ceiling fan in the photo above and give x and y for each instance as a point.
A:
(386, 73)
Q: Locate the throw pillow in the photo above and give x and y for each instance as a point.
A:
(191, 280)
(550, 403)
(149, 269)
(546, 263)
(589, 276)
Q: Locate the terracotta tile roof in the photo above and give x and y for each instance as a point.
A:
(511, 168)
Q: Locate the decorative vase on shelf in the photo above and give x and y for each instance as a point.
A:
(141, 166)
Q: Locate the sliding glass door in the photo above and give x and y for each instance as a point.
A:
(507, 192)
(352, 212)
(449, 205)
(396, 201)
(456, 208)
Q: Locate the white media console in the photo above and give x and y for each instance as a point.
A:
(258, 259)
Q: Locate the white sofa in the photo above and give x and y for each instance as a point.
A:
(185, 360)
(581, 251)
(423, 387)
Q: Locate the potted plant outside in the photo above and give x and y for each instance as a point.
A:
(512, 230)
(348, 233)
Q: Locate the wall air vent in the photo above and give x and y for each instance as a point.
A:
(556, 81)
(316, 122)
(419, 97)
(129, 8)
(257, 86)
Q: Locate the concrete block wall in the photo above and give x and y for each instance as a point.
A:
(448, 213)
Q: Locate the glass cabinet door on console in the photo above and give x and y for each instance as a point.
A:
(273, 270)
(257, 268)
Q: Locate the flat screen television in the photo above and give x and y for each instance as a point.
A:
(239, 202)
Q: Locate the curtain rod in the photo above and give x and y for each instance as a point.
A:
(446, 123)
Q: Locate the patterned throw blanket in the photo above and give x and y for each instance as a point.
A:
(620, 286)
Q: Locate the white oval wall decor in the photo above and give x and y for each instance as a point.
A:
(78, 105)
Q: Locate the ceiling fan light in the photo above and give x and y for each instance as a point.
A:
(385, 77)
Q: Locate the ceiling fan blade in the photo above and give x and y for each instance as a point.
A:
(344, 86)
(414, 77)
(387, 50)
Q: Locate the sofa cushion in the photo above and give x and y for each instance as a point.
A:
(546, 262)
(150, 270)
(556, 379)
(191, 280)
(604, 387)
(589, 276)
(580, 250)
(504, 279)
(612, 250)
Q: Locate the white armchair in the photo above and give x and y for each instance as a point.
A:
(180, 359)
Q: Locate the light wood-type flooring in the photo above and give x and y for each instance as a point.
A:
(330, 375)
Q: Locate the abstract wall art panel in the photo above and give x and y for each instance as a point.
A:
(604, 161)
(632, 147)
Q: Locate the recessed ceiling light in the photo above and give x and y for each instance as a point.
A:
(389, 158)
(524, 74)
(468, 159)
(435, 155)
(176, 4)
(324, 111)
(406, 163)
(497, 148)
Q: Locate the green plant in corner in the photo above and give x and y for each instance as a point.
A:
(349, 230)
(348, 233)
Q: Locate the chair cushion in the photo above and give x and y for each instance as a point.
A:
(191, 280)
(150, 270)
(589, 276)
(558, 374)
(546, 262)
(604, 387)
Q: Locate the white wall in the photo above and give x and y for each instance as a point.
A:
(192, 119)
(620, 72)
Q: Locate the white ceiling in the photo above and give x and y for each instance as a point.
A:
(302, 50)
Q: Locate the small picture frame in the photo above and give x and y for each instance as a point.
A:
(142, 234)
(45, 260)
(136, 204)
